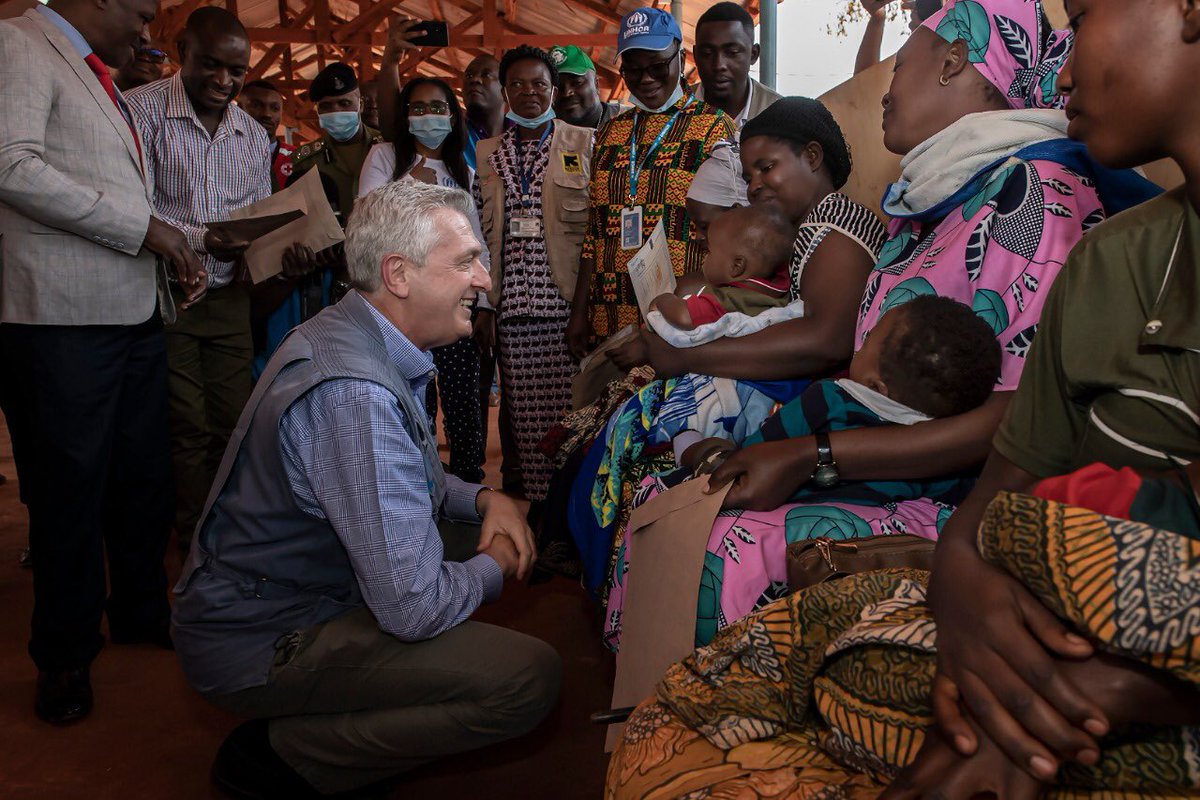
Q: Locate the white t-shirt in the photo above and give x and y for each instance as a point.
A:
(380, 166)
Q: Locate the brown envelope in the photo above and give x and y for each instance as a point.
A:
(668, 535)
(253, 228)
(318, 227)
(596, 371)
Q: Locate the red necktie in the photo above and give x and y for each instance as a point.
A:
(106, 81)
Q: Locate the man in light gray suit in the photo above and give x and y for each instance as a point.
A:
(83, 264)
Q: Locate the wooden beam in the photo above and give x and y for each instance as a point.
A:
(167, 26)
(365, 57)
(266, 62)
(543, 40)
(491, 24)
(368, 19)
(596, 9)
(321, 18)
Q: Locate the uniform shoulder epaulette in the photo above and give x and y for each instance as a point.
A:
(374, 136)
(309, 150)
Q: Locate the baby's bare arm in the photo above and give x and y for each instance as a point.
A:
(674, 310)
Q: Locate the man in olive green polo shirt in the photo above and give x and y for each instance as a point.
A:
(578, 101)
(1114, 371)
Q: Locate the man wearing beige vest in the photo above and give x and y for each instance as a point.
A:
(82, 297)
(532, 191)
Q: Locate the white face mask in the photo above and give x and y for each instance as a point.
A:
(672, 100)
(532, 122)
(431, 129)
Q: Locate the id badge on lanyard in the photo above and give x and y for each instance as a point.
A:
(631, 228)
(631, 215)
(525, 227)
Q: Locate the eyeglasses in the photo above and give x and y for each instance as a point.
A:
(153, 55)
(658, 71)
(440, 107)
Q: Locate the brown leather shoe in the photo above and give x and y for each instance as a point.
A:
(63, 695)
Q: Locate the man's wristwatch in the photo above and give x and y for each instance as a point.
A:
(826, 475)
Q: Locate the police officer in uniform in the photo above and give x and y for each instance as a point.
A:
(340, 153)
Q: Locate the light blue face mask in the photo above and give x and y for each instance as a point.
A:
(431, 129)
(341, 125)
(672, 100)
(535, 122)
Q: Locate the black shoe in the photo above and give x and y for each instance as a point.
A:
(63, 695)
(248, 768)
(157, 635)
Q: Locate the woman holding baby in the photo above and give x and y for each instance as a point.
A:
(992, 198)
(1049, 652)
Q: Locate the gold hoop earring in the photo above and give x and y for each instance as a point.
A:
(944, 81)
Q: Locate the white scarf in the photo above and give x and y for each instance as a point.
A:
(883, 406)
(943, 163)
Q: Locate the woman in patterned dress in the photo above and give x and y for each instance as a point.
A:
(991, 199)
(532, 197)
(1064, 661)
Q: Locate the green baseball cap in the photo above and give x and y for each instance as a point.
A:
(571, 60)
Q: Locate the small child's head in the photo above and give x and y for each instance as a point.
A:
(932, 354)
(748, 242)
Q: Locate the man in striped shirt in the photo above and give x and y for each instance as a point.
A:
(207, 158)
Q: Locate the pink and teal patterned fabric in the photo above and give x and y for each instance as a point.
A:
(1012, 44)
(998, 253)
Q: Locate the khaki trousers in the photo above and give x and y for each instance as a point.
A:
(350, 705)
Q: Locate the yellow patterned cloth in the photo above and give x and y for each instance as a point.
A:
(661, 192)
(825, 693)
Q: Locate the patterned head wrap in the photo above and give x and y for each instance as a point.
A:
(1010, 43)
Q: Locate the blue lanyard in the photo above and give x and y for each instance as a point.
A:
(635, 173)
(527, 176)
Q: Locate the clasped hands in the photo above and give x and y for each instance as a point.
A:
(505, 535)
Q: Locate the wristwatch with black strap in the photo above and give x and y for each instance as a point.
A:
(825, 475)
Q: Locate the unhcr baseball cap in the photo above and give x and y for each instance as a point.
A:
(571, 60)
(648, 29)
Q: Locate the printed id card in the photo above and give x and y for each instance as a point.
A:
(525, 227)
(631, 228)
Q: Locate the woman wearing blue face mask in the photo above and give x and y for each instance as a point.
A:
(429, 148)
(532, 194)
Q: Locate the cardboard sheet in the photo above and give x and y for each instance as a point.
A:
(596, 371)
(668, 536)
(650, 269)
(318, 227)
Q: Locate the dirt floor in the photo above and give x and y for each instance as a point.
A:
(151, 736)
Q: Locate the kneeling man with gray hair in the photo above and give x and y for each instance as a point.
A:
(327, 589)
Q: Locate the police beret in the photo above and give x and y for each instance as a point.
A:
(335, 79)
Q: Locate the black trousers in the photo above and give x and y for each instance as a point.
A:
(91, 403)
(510, 458)
(458, 387)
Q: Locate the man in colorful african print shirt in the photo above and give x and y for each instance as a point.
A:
(642, 166)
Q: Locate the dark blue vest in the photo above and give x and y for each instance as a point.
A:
(260, 567)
